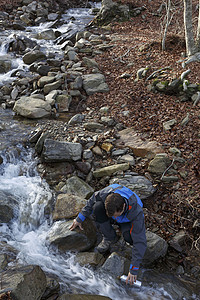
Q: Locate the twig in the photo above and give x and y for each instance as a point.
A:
(177, 216)
(167, 169)
(157, 71)
(195, 243)
(120, 57)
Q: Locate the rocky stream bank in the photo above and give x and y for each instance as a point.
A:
(81, 150)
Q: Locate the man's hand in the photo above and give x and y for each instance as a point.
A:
(131, 278)
(76, 224)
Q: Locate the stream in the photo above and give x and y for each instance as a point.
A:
(18, 176)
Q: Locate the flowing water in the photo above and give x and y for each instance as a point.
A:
(18, 176)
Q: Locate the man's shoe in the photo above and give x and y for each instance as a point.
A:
(105, 245)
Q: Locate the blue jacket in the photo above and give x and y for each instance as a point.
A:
(133, 213)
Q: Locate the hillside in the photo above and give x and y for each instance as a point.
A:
(137, 45)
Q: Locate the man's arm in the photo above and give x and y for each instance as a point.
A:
(139, 245)
(85, 212)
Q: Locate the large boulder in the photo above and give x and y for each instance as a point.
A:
(76, 186)
(94, 83)
(24, 282)
(156, 248)
(138, 184)
(33, 56)
(33, 108)
(141, 147)
(67, 206)
(65, 239)
(56, 151)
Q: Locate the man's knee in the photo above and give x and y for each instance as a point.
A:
(100, 212)
(127, 237)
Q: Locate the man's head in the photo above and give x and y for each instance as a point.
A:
(114, 203)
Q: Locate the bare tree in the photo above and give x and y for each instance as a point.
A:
(189, 35)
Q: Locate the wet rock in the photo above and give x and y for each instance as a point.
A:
(8, 207)
(27, 282)
(67, 206)
(176, 287)
(61, 236)
(114, 265)
(90, 258)
(82, 297)
(55, 151)
(33, 56)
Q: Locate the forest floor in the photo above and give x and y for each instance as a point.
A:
(175, 206)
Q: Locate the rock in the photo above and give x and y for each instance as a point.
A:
(82, 297)
(90, 63)
(67, 206)
(78, 118)
(76, 186)
(97, 151)
(45, 80)
(156, 248)
(90, 258)
(94, 83)
(48, 34)
(127, 158)
(52, 86)
(185, 120)
(179, 240)
(8, 207)
(5, 63)
(167, 125)
(107, 147)
(63, 102)
(65, 239)
(32, 108)
(138, 184)
(107, 171)
(159, 164)
(93, 126)
(140, 147)
(25, 282)
(175, 151)
(55, 151)
(176, 287)
(114, 265)
(33, 56)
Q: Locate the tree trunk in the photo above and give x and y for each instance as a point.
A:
(189, 36)
(198, 31)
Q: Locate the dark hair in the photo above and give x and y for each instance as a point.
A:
(114, 203)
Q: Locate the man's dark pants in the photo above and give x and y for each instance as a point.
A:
(105, 224)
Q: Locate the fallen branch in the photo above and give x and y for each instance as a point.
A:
(167, 169)
(157, 71)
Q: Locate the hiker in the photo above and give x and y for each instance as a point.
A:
(117, 204)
